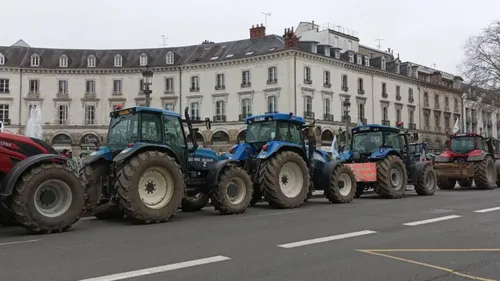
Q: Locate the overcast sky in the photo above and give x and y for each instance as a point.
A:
(424, 31)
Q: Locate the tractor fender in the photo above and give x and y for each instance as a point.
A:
(91, 159)
(276, 146)
(325, 179)
(476, 156)
(18, 170)
(213, 174)
(419, 167)
(140, 147)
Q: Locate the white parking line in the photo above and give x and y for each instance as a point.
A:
(158, 269)
(326, 239)
(487, 210)
(415, 223)
(19, 242)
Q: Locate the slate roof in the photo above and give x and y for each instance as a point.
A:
(19, 56)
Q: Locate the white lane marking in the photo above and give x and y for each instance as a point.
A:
(19, 242)
(487, 210)
(158, 269)
(326, 239)
(415, 223)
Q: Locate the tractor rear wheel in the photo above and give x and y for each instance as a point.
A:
(150, 186)
(232, 179)
(48, 198)
(285, 180)
(426, 181)
(445, 183)
(465, 183)
(92, 177)
(7, 217)
(195, 203)
(342, 187)
(391, 178)
(485, 175)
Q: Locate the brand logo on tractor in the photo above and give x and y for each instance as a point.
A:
(6, 144)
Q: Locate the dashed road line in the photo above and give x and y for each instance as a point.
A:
(326, 239)
(19, 242)
(487, 210)
(158, 269)
(415, 223)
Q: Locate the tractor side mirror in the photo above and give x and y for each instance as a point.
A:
(208, 123)
(415, 136)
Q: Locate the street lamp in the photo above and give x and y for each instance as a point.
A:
(147, 81)
(347, 105)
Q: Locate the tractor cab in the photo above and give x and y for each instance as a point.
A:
(464, 145)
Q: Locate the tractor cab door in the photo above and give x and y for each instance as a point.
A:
(175, 138)
(408, 157)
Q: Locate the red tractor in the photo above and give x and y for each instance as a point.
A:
(467, 158)
(38, 188)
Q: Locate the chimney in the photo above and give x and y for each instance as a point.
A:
(257, 31)
(436, 77)
(414, 71)
(291, 40)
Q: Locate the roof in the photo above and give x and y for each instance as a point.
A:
(155, 110)
(275, 116)
(19, 56)
(376, 126)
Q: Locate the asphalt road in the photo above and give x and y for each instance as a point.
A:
(446, 237)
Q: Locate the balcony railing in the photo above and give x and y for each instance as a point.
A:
(385, 95)
(220, 87)
(309, 115)
(361, 91)
(272, 81)
(328, 117)
(219, 118)
(246, 85)
(398, 97)
(243, 116)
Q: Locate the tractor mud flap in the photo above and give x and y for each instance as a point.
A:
(454, 170)
(364, 172)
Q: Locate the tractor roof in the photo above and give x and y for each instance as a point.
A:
(275, 116)
(377, 127)
(466, 135)
(151, 109)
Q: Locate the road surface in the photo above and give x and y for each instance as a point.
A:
(453, 235)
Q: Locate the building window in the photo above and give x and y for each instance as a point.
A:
(411, 117)
(398, 115)
(308, 106)
(89, 115)
(359, 59)
(351, 57)
(436, 101)
(410, 94)
(246, 107)
(327, 106)
(220, 111)
(245, 78)
(2, 59)
(272, 75)
(91, 61)
(117, 87)
(327, 78)
(383, 63)
(195, 84)
(63, 61)
(4, 113)
(35, 60)
(34, 86)
(170, 107)
(272, 104)
(62, 115)
(219, 81)
(169, 85)
(367, 61)
(344, 81)
(62, 86)
(426, 120)
(90, 87)
(385, 113)
(361, 111)
(361, 88)
(307, 74)
(170, 58)
(384, 89)
(143, 60)
(118, 61)
(195, 110)
(4, 86)
(426, 99)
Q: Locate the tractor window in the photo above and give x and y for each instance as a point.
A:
(480, 144)
(290, 132)
(364, 142)
(151, 127)
(174, 135)
(122, 131)
(462, 145)
(392, 140)
(261, 132)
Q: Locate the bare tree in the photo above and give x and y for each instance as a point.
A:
(481, 66)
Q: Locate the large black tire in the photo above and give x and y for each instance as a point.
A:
(7, 217)
(128, 187)
(385, 187)
(485, 175)
(465, 183)
(91, 178)
(195, 203)
(35, 180)
(256, 196)
(220, 196)
(445, 183)
(426, 181)
(342, 187)
(270, 181)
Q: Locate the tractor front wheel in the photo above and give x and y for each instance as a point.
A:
(151, 187)
(285, 180)
(342, 187)
(391, 178)
(485, 174)
(445, 183)
(233, 192)
(426, 181)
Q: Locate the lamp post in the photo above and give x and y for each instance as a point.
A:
(347, 105)
(147, 81)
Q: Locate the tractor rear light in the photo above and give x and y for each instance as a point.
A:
(130, 145)
(265, 147)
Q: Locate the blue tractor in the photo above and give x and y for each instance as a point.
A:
(381, 160)
(280, 154)
(146, 169)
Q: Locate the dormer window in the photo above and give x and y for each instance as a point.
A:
(118, 61)
(359, 60)
(367, 61)
(63, 61)
(351, 57)
(383, 63)
(398, 67)
(91, 61)
(143, 60)
(35, 60)
(170, 58)
(337, 54)
(2, 59)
